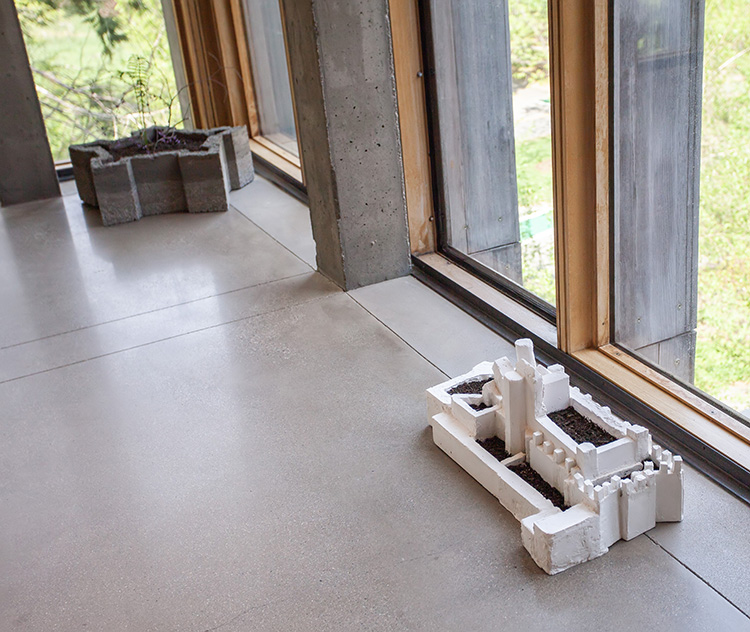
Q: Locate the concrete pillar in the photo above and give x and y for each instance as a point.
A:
(341, 63)
(27, 171)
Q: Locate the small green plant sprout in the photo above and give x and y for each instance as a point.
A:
(138, 75)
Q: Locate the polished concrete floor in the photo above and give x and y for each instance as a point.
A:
(199, 432)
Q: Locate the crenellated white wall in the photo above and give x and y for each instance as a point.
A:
(616, 491)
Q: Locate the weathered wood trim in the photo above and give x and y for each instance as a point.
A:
(272, 156)
(657, 53)
(447, 139)
(412, 109)
(217, 65)
(280, 151)
(470, 69)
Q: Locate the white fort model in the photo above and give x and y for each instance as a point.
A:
(617, 490)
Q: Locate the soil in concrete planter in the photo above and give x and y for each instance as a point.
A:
(472, 387)
(134, 146)
(527, 473)
(580, 429)
(496, 447)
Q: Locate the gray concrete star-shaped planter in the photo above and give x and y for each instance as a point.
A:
(196, 180)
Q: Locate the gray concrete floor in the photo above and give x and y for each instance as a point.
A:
(199, 432)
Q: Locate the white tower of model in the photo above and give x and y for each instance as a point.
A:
(613, 491)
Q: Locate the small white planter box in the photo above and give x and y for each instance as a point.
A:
(617, 490)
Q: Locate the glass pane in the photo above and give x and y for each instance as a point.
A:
(273, 92)
(682, 162)
(82, 55)
(493, 110)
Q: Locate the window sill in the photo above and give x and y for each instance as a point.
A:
(277, 157)
(477, 290)
(691, 413)
(715, 443)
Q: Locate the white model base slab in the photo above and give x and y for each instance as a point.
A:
(614, 491)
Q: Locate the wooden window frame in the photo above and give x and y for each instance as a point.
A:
(216, 56)
(412, 107)
(580, 77)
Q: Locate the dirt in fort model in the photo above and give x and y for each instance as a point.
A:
(495, 446)
(525, 471)
(580, 429)
(472, 387)
(479, 406)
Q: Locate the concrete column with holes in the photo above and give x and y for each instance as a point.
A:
(27, 171)
(341, 64)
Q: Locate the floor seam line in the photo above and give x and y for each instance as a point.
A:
(399, 336)
(265, 232)
(152, 342)
(679, 561)
(729, 601)
(154, 311)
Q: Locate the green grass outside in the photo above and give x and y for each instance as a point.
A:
(534, 172)
(534, 178)
(723, 347)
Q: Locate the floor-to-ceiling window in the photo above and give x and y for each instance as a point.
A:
(628, 229)
(491, 106)
(101, 69)
(682, 191)
(271, 74)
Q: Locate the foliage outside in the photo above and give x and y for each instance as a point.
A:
(81, 54)
(723, 347)
(528, 41)
(723, 343)
(530, 68)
